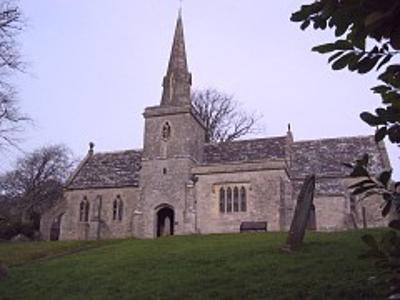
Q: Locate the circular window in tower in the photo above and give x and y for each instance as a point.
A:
(166, 131)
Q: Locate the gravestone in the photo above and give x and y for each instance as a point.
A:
(301, 215)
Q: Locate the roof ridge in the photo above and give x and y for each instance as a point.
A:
(119, 151)
(336, 138)
(249, 140)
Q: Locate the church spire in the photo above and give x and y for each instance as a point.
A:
(177, 81)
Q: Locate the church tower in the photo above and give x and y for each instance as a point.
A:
(174, 138)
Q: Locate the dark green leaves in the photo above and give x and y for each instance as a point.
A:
(371, 119)
(305, 24)
(384, 177)
(384, 61)
(367, 64)
(359, 171)
(380, 134)
(386, 208)
(343, 62)
(394, 134)
(325, 48)
(373, 185)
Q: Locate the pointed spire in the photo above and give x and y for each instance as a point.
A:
(177, 82)
(177, 59)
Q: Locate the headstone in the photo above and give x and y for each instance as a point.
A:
(3, 271)
(301, 215)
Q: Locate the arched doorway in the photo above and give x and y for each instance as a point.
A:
(55, 228)
(165, 221)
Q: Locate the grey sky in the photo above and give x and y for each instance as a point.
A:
(95, 66)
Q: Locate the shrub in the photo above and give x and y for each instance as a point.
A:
(9, 229)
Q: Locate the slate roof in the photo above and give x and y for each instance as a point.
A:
(246, 150)
(323, 186)
(105, 170)
(325, 157)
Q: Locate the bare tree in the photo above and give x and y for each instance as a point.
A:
(11, 24)
(36, 183)
(223, 116)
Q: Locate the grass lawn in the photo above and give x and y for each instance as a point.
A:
(233, 266)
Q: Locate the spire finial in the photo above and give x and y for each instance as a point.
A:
(180, 8)
(91, 148)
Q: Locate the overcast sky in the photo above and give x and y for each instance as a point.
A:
(95, 65)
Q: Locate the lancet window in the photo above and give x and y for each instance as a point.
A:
(118, 209)
(84, 210)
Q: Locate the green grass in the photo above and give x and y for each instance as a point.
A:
(236, 266)
(14, 254)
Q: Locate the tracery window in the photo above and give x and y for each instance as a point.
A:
(118, 209)
(232, 198)
(84, 210)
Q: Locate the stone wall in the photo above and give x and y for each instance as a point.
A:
(72, 228)
(187, 134)
(266, 190)
(331, 213)
(165, 183)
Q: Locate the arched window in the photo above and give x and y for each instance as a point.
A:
(84, 210)
(229, 200)
(166, 131)
(118, 209)
(115, 209)
(243, 200)
(87, 207)
(235, 199)
(222, 200)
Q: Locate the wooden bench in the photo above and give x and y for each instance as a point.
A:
(253, 227)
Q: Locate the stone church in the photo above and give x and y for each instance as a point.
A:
(179, 184)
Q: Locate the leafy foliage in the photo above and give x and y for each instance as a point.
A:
(380, 184)
(385, 251)
(9, 229)
(357, 25)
